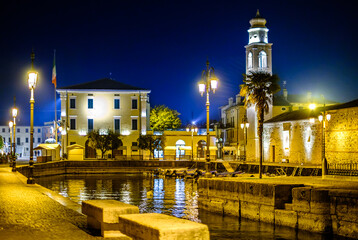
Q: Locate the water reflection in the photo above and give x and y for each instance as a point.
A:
(177, 197)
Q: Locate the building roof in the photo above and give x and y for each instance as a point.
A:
(307, 113)
(102, 84)
(279, 100)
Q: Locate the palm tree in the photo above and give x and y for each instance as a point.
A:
(258, 90)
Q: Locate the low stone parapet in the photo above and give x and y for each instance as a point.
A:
(103, 215)
(155, 226)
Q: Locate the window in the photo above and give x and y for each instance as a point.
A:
(27, 140)
(117, 125)
(117, 103)
(134, 124)
(262, 60)
(18, 141)
(73, 124)
(249, 60)
(38, 130)
(18, 130)
(286, 140)
(135, 145)
(9, 139)
(134, 103)
(3, 130)
(90, 103)
(73, 103)
(38, 140)
(90, 125)
(27, 130)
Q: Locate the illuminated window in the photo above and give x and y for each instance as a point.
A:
(262, 60)
(90, 125)
(134, 124)
(73, 103)
(90, 103)
(117, 103)
(73, 123)
(117, 125)
(286, 140)
(249, 60)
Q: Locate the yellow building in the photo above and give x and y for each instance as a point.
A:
(104, 104)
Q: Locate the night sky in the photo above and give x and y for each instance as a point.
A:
(163, 46)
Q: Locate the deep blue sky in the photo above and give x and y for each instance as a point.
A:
(163, 46)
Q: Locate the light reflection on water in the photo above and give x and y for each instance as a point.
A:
(177, 197)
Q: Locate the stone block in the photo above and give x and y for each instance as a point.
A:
(286, 218)
(107, 210)
(250, 210)
(288, 206)
(320, 201)
(267, 214)
(320, 223)
(232, 207)
(301, 198)
(347, 229)
(153, 226)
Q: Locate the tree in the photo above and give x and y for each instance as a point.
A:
(151, 142)
(104, 142)
(258, 90)
(1, 142)
(163, 118)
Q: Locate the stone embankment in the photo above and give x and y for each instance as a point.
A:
(315, 208)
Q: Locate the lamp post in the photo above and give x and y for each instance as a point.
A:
(11, 124)
(14, 115)
(323, 118)
(245, 125)
(208, 82)
(192, 129)
(32, 85)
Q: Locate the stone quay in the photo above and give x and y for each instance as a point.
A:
(304, 203)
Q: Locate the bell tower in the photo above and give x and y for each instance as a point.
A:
(258, 50)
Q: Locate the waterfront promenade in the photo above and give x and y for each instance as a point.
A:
(27, 212)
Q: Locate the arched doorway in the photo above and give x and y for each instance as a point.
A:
(90, 152)
(179, 152)
(201, 149)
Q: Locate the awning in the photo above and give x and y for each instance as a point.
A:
(229, 148)
(48, 146)
(170, 148)
(75, 146)
(184, 147)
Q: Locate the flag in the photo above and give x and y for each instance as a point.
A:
(54, 70)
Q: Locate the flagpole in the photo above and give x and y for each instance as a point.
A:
(54, 57)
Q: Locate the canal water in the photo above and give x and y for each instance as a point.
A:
(176, 197)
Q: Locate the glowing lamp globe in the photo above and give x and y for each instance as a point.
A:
(11, 124)
(32, 80)
(14, 112)
(201, 85)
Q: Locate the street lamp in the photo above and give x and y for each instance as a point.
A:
(323, 118)
(245, 125)
(192, 129)
(32, 85)
(208, 82)
(11, 124)
(14, 115)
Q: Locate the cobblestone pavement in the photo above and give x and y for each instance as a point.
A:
(27, 213)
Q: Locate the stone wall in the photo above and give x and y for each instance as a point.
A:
(305, 139)
(293, 205)
(102, 166)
